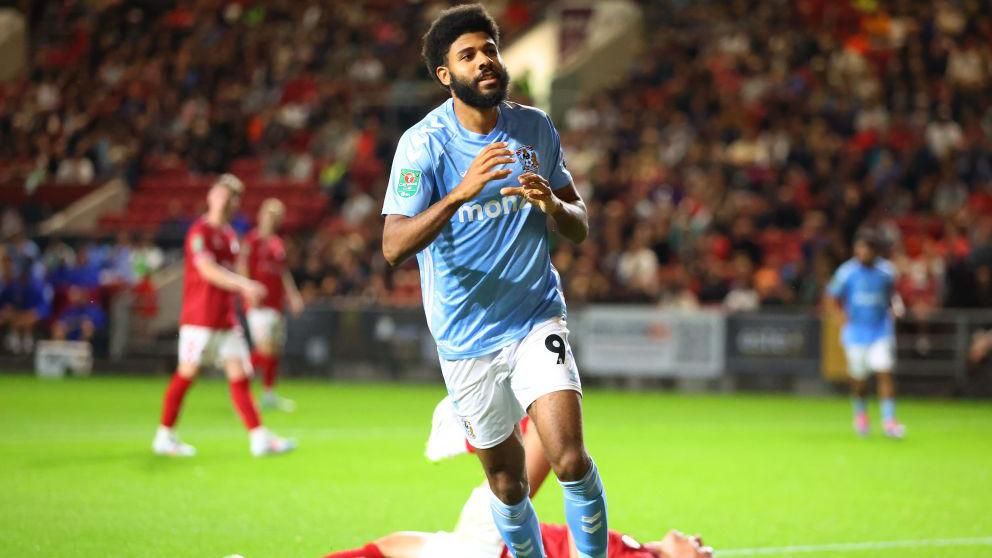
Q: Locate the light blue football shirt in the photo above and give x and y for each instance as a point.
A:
(865, 292)
(487, 278)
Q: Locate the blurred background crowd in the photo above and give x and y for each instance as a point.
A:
(748, 143)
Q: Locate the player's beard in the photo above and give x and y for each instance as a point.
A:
(471, 95)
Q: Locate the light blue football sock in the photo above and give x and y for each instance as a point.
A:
(859, 405)
(585, 512)
(518, 526)
(888, 409)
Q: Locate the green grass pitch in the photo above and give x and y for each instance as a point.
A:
(77, 477)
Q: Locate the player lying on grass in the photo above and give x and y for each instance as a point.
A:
(476, 536)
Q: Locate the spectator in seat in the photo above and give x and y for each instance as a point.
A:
(86, 271)
(75, 169)
(742, 296)
(81, 319)
(25, 302)
(120, 269)
(145, 305)
(146, 258)
(24, 253)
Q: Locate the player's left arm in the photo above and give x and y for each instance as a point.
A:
(293, 297)
(896, 305)
(564, 205)
(242, 267)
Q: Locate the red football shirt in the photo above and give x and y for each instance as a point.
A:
(555, 539)
(266, 264)
(203, 303)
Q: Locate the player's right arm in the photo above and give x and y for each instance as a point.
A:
(293, 296)
(836, 290)
(405, 235)
(222, 278)
(243, 265)
(218, 276)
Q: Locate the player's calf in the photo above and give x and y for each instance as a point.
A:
(559, 414)
(585, 512)
(510, 503)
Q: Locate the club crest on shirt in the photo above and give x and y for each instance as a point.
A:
(408, 183)
(528, 158)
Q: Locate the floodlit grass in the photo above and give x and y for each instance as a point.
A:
(77, 476)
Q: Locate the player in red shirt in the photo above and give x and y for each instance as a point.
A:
(264, 260)
(208, 330)
(475, 535)
(557, 544)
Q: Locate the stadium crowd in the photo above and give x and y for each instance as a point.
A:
(753, 139)
(733, 166)
(747, 146)
(125, 90)
(65, 291)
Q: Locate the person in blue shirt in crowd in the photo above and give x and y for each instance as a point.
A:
(85, 273)
(120, 261)
(25, 302)
(24, 254)
(81, 319)
(864, 288)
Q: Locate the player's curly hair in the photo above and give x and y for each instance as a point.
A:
(451, 24)
(871, 237)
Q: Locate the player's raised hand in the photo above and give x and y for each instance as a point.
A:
(535, 189)
(483, 169)
(253, 291)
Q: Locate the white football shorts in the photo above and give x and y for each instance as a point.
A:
(266, 325)
(491, 393)
(863, 360)
(201, 345)
(443, 544)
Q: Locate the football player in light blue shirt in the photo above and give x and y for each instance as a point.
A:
(864, 288)
(470, 193)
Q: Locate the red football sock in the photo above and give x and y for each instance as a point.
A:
(257, 359)
(266, 365)
(270, 371)
(368, 551)
(173, 400)
(241, 396)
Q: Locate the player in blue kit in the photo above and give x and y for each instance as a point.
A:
(470, 191)
(864, 287)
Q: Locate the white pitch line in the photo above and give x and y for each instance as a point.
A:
(870, 545)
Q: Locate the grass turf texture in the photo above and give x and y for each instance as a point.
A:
(78, 478)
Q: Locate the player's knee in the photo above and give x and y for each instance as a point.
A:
(236, 371)
(508, 488)
(571, 465)
(266, 348)
(188, 370)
